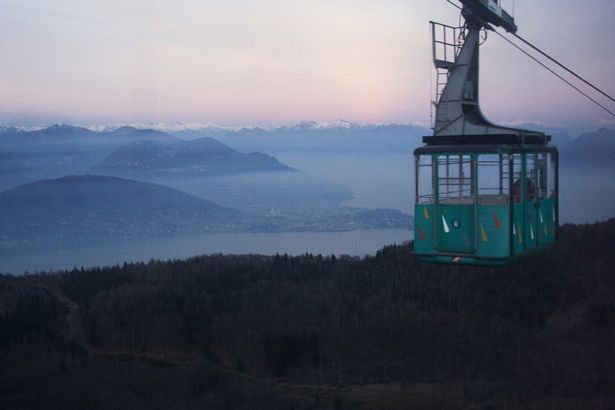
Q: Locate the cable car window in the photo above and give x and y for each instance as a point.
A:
(517, 188)
(551, 175)
(493, 179)
(424, 179)
(530, 176)
(541, 175)
(455, 179)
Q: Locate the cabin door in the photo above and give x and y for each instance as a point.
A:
(455, 206)
(532, 205)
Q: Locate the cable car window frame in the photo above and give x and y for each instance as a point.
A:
(493, 179)
(454, 179)
(552, 170)
(424, 179)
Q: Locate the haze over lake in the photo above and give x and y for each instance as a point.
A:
(340, 191)
(376, 180)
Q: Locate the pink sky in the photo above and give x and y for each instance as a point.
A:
(266, 61)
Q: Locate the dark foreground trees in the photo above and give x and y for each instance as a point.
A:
(539, 331)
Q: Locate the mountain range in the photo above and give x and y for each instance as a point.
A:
(596, 146)
(341, 137)
(307, 135)
(60, 134)
(204, 156)
(348, 137)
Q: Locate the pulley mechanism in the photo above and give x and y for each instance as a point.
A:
(481, 13)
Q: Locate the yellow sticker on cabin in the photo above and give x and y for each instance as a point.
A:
(426, 213)
(483, 233)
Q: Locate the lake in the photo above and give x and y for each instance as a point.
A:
(359, 242)
(587, 194)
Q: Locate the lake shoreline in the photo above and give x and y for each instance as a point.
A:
(360, 242)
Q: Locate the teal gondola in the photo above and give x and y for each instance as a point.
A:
(485, 194)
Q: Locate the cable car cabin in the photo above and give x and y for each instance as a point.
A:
(485, 194)
(484, 204)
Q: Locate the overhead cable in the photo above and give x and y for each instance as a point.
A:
(557, 75)
(564, 67)
(453, 4)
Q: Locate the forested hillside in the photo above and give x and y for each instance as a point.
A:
(80, 209)
(315, 332)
